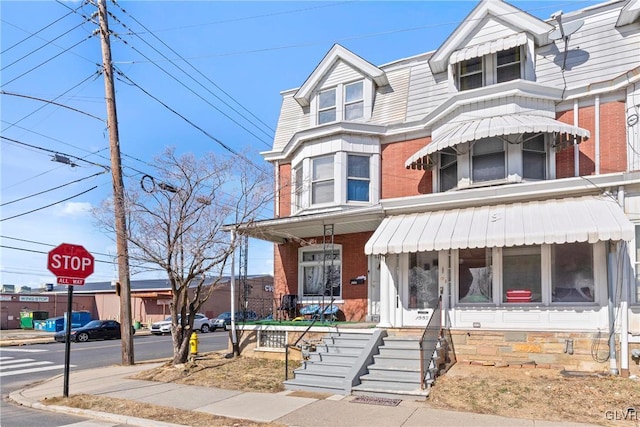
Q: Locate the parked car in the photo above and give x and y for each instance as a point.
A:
(224, 319)
(94, 330)
(200, 323)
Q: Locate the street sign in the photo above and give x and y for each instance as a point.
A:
(70, 263)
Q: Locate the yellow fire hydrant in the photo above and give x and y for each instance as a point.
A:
(193, 344)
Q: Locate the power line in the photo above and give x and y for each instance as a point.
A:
(55, 152)
(199, 72)
(54, 188)
(43, 252)
(3, 92)
(216, 140)
(49, 205)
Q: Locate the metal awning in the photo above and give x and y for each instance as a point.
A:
(452, 134)
(581, 219)
(487, 48)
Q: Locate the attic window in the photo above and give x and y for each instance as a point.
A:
(353, 101)
(501, 66)
(470, 72)
(342, 102)
(327, 106)
(508, 65)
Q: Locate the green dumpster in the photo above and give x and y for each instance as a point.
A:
(136, 325)
(26, 320)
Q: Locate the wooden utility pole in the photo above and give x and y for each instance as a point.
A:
(118, 191)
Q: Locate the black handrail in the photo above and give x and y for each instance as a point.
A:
(431, 332)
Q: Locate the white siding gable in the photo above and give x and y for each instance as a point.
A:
(488, 30)
(341, 72)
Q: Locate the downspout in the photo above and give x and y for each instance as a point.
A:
(597, 136)
(576, 147)
(613, 369)
(623, 274)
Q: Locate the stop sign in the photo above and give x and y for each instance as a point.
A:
(70, 263)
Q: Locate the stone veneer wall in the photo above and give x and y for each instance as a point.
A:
(543, 349)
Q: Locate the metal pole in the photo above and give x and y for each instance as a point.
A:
(67, 342)
(118, 190)
(234, 335)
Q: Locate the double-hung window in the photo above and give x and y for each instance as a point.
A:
(488, 160)
(470, 74)
(490, 69)
(327, 106)
(448, 169)
(322, 180)
(358, 178)
(320, 271)
(298, 188)
(354, 101)
(508, 65)
(534, 157)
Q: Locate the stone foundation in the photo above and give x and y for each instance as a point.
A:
(581, 351)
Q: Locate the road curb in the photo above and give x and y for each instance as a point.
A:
(19, 399)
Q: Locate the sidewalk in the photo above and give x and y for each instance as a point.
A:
(280, 408)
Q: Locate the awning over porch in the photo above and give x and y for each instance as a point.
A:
(581, 219)
(452, 134)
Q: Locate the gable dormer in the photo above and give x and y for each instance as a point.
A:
(494, 44)
(341, 88)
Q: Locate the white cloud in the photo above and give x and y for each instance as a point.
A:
(76, 208)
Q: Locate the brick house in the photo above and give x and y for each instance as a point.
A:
(499, 172)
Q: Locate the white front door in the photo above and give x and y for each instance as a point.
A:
(419, 294)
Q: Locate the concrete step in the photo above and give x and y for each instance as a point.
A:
(404, 353)
(325, 367)
(339, 348)
(396, 362)
(318, 385)
(344, 359)
(380, 390)
(383, 374)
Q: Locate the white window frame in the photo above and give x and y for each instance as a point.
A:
(441, 166)
(328, 108)
(473, 156)
(356, 178)
(489, 68)
(348, 103)
(498, 290)
(298, 188)
(318, 263)
(322, 180)
(341, 101)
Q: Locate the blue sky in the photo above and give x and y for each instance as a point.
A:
(220, 65)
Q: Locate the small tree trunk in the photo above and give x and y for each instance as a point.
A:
(181, 346)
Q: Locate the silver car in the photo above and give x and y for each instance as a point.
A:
(200, 323)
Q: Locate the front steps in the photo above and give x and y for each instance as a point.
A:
(373, 365)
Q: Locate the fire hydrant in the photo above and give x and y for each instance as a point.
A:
(193, 344)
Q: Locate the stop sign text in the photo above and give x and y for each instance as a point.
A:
(70, 263)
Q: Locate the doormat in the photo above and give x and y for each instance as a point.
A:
(381, 401)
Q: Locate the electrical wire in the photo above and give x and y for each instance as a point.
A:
(49, 205)
(201, 74)
(213, 138)
(52, 189)
(3, 92)
(107, 168)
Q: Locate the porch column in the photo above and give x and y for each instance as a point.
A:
(386, 283)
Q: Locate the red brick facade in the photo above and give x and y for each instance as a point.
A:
(284, 190)
(613, 146)
(354, 264)
(398, 181)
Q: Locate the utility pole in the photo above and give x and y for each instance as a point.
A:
(118, 191)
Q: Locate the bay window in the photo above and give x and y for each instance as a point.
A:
(298, 188)
(534, 157)
(322, 180)
(637, 265)
(488, 160)
(358, 178)
(448, 169)
(320, 271)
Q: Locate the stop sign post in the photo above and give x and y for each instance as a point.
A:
(71, 264)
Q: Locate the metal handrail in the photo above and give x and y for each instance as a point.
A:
(431, 332)
(287, 346)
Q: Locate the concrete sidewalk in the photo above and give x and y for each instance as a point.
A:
(281, 408)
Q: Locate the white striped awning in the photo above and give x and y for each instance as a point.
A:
(581, 219)
(455, 133)
(487, 48)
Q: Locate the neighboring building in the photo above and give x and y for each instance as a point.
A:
(150, 300)
(500, 171)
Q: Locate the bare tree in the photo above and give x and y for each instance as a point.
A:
(179, 221)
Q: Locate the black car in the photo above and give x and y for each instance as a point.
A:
(94, 330)
(223, 321)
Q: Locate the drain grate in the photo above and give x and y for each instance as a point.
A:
(381, 401)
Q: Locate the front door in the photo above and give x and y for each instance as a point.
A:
(420, 294)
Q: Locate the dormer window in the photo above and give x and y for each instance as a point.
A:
(353, 101)
(343, 102)
(508, 65)
(502, 66)
(327, 106)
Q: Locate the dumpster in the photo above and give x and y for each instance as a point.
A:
(54, 324)
(28, 318)
(78, 318)
(136, 325)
